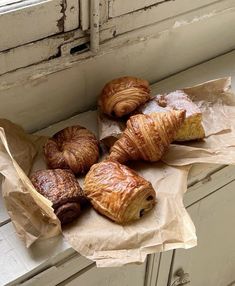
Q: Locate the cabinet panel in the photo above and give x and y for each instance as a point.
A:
(124, 276)
(212, 262)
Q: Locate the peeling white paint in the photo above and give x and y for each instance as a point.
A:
(180, 23)
(213, 13)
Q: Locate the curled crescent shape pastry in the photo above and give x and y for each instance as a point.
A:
(63, 190)
(192, 128)
(74, 148)
(121, 96)
(118, 192)
(147, 137)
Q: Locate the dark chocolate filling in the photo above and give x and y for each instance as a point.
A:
(141, 212)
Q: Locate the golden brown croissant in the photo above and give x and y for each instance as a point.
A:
(63, 190)
(74, 148)
(123, 95)
(147, 137)
(192, 127)
(118, 192)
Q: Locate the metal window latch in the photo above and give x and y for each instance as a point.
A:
(183, 278)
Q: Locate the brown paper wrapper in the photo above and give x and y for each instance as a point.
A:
(217, 103)
(21, 145)
(31, 214)
(167, 226)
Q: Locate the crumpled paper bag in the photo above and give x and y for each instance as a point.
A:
(21, 144)
(167, 226)
(217, 103)
(30, 213)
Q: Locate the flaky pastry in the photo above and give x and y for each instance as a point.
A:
(74, 148)
(121, 96)
(63, 190)
(118, 192)
(192, 127)
(147, 137)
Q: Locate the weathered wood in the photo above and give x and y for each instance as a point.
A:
(21, 26)
(71, 20)
(153, 14)
(104, 11)
(120, 7)
(197, 21)
(36, 52)
(85, 14)
(42, 83)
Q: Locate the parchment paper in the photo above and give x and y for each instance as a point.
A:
(31, 214)
(217, 103)
(168, 226)
(21, 144)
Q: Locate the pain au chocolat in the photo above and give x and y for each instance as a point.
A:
(118, 192)
(147, 137)
(63, 190)
(74, 148)
(123, 95)
(192, 127)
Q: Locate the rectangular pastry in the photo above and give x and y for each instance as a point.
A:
(63, 190)
(192, 127)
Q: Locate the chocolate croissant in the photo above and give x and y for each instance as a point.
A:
(118, 192)
(63, 190)
(74, 148)
(147, 137)
(121, 96)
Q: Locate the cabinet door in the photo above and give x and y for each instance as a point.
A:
(121, 276)
(212, 262)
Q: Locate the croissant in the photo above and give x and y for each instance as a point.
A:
(192, 127)
(147, 137)
(74, 148)
(123, 95)
(118, 192)
(63, 190)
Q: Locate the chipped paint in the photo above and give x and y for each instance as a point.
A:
(158, 33)
(61, 21)
(46, 14)
(180, 23)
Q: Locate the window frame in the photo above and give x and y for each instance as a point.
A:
(22, 22)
